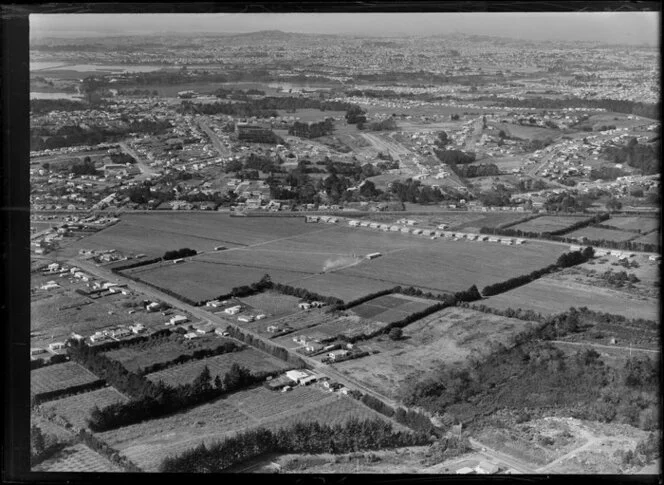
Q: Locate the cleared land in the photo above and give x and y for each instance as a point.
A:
(547, 223)
(445, 337)
(76, 409)
(148, 443)
(219, 365)
(550, 296)
(391, 308)
(77, 458)
(59, 377)
(594, 233)
(136, 357)
(273, 304)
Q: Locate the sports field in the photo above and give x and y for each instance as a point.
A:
(550, 296)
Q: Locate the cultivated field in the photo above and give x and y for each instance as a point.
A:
(391, 308)
(148, 443)
(489, 220)
(219, 365)
(76, 409)
(547, 223)
(58, 377)
(640, 223)
(136, 357)
(594, 233)
(654, 237)
(341, 285)
(77, 459)
(550, 296)
(203, 280)
(445, 337)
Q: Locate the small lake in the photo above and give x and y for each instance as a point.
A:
(71, 96)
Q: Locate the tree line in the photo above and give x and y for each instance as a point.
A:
(309, 437)
(645, 158)
(178, 253)
(312, 130)
(43, 106)
(470, 171)
(275, 350)
(564, 261)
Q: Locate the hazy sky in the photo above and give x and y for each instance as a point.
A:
(612, 27)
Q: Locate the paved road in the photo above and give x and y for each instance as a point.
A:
(146, 170)
(216, 142)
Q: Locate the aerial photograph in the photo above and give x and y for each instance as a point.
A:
(345, 243)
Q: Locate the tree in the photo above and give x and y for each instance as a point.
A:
(37, 440)
(396, 333)
(613, 204)
(442, 140)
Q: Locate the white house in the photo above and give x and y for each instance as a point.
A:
(178, 319)
(234, 310)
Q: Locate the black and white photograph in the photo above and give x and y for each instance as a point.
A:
(363, 242)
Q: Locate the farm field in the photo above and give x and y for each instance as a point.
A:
(273, 304)
(489, 220)
(148, 443)
(643, 224)
(448, 336)
(136, 357)
(550, 296)
(77, 459)
(594, 233)
(527, 132)
(654, 237)
(76, 409)
(219, 365)
(202, 280)
(451, 266)
(547, 223)
(391, 308)
(59, 376)
(270, 259)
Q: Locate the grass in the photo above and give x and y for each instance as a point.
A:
(203, 280)
(340, 285)
(219, 365)
(527, 132)
(76, 409)
(446, 337)
(312, 115)
(643, 224)
(59, 377)
(654, 237)
(594, 233)
(547, 223)
(273, 304)
(136, 357)
(77, 459)
(550, 296)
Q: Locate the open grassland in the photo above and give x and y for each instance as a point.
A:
(58, 377)
(136, 357)
(154, 234)
(148, 443)
(270, 259)
(77, 459)
(550, 296)
(489, 220)
(203, 280)
(273, 304)
(76, 409)
(446, 337)
(340, 285)
(444, 265)
(594, 233)
(219, 365)
(391, 308)
(639, 223)
(547, 223)
(527, 132)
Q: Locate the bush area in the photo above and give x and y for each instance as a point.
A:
(179, 253)
(134, 264)
(42, 446)
(354, 435)
(60, 393)
(223, 348)
(312, 130)
(641, 157)
(43, 106)
(536, 375)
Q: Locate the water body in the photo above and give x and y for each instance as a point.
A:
(70, 96)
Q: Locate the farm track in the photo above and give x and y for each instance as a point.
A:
(608, 347)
